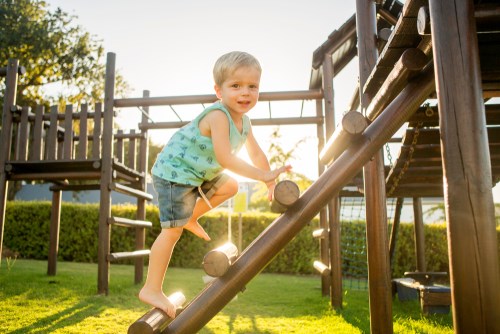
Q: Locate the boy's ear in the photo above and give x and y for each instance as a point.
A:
(217, 92)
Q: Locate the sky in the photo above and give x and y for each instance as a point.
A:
(169, 48)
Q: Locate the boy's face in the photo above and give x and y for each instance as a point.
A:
(240, 91)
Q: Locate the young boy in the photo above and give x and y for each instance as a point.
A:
(187, 174)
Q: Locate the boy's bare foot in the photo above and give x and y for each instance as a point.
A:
(157, 299)
(195, 228)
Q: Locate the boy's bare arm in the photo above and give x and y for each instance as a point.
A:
(219, 131)
(255, 153)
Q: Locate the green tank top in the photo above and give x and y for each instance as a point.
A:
(189, 157)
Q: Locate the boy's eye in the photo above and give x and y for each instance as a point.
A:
(235, 85)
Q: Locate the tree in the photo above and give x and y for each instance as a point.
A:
(64, 63)
(277, 158)
(58, 55)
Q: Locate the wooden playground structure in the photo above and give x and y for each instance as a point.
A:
(408, 55)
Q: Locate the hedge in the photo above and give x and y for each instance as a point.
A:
(27, 233)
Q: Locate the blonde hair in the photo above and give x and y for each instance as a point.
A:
(229, 62)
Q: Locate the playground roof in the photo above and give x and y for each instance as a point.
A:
(417, 170)
(341, 43)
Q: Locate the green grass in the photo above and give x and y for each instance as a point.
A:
(32, 302)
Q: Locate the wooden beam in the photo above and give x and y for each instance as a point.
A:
(472, 240)
(211, 98)
(411, 62)
(418, 220)
(6, 136)
(395, 228)
(379, 282)
(352, 125)
(103, 248)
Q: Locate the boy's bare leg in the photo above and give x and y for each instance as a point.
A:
(159, 258)
(226, 191)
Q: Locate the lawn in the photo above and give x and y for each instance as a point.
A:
(33, 302)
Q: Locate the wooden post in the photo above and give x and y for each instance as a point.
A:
(472, 239)
(140, 232)
(106, 179)
(6, 136)
(323, 242)
(419, 234)
(379, 274)
(394, 230)
(335, 253)
(55, 225)
(277, 235)
(335, 259)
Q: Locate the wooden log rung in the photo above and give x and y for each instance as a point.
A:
(156, 321)
(217, 261)
(351, 127)
(125, 222)
(285, 194)
(130, 191)
(321, 268)
(128, 255)
(321, 233)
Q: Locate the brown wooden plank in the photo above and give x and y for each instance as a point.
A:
(132, 148)
(429, 297)
(23, 134)
(83, 137)
(96, 143)
(119, 146)
(68, 133)
(37, 147)
(51, 141)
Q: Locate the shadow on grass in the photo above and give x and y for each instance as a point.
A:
(355, 309)
(67, 317)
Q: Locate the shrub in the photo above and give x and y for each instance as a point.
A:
(27, 232)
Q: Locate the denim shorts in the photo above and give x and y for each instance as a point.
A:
(176, 201)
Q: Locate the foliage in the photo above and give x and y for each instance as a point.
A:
(277, 158)
(436, 209)
(55, 52)
(27, 233)
(153, 151)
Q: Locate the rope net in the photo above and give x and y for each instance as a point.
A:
(353, 241)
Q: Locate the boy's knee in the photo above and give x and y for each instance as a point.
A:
(172, 233)
(232, 187)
